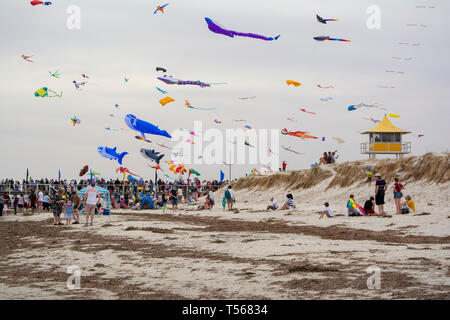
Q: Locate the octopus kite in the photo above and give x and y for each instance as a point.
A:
(44, 93)
(299, 134)
(323, 38)
(230, 33)
(172, 80)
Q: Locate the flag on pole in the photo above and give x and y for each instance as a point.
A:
(27, 175)
(59, 175)
(222, 175)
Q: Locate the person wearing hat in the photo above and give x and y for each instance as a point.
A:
(328, 212)
(380, 186)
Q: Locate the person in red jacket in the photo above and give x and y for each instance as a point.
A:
(284, 164)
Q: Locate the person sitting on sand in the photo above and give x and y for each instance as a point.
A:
(273, 205)
(352, 208)
(327, 212)
(324, 159)
(289, 204)
(408, 206)
(369, 206)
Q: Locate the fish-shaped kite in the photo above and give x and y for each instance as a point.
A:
(152, 155)
(230, 33)
(144, 127)
(324, 21)
(354, 107)
(323, 38)
(111, 153)
(299, 134)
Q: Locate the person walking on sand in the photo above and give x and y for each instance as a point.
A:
(398, 187)
(92, 197)
(76, 207)
(229, 198)
(380, 186)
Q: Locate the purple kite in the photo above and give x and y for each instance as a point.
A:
(230, 33)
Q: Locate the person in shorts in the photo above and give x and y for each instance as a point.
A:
(77, 203)
(274, 204)
(91, 198)
(39, 201)
(46, 203)
(380, 186)
(397, 188)
(289, 204)
(174, 198)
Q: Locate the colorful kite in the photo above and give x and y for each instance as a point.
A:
(323, 38)
(166, 100)
(192, 171)
(230, 33)
(420, 135)
(171, 80)
(111, 153)
(324, 21)
(26, 58)
(85, 76)
(217, 121)
(323, 138)
(293, 82)
(125, 170)
(329, 87)
(161, 90)
(248, 127)
(35, 3)
(355, 107)
(157, 167)
(43, 92)
(78, 84)
(270, 151)
(299, 134)
(141, 138)
(75, 121)
(386, 87)
(188, 105)
(126, 80)
(306, 111)
(160, 8)
(394, 71)
(401, 58)
(54, 74)
(144, 127)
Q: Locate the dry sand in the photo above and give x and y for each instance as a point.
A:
(246, 255)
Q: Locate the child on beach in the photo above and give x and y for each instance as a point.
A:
(289, 204)
(369, 176)
(68, 210)
(408, 206)
(224, 202)
(327, 212)
(369, 207)
(273, 205)
(352, 208)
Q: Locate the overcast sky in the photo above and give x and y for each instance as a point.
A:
(121, 39)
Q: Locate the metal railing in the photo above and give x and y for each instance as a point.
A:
(367, 147)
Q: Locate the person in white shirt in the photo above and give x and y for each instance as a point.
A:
(40, 199)
(91, 198)
(274, 205)
(327, 212)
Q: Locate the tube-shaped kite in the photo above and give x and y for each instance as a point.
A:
(293, 82)
(230, 33)
(166, 100)
(171, 80)
(324, 21)
(323, 38)
(299, 134)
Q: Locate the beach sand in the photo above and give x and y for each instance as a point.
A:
(250, 254)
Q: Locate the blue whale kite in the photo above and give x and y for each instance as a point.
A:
(111, 153)
(144, 127)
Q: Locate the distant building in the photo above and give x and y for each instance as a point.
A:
(385, 138)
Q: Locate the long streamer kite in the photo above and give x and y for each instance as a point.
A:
(188, 105)
(306, 111)
(329, 87)
(141, 138)
(214, 27)
(299, 134)
(373, 120)
(75, 121)
(323, 38)
(35, 3)
(324, 21)
(355, 107)
(160, 8)
(171, 80)
(161, 90)
(326, 98)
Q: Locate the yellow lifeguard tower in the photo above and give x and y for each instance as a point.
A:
(385, 138)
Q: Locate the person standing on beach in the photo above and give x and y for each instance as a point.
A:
(380, 186)
(1, 205)
(398, 187)
(57, 204)
(174, 198)
(92, 197)
(39, 201)
(284, 165)
(33, 201)
(229, 195)
(76, 208)
(211, 197)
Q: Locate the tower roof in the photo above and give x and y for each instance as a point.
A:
(385, 126)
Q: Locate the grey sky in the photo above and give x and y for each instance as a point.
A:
(124, 39)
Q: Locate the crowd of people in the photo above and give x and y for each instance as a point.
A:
(329, 157)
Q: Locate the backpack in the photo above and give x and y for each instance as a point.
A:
(227, 194)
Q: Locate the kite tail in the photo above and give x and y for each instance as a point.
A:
(123, 154)
(276, 38)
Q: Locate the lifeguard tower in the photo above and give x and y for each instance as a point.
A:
(385, 138)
